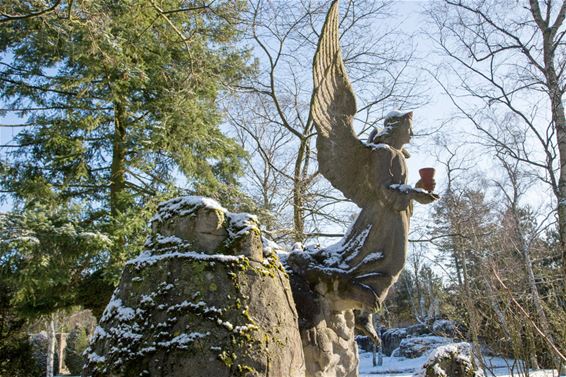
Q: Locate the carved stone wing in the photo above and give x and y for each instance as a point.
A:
(343, 159)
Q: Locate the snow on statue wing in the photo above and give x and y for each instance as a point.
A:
(369, 258)
(341, 155)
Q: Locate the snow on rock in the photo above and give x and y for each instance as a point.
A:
(200, 300)
(241, 223)
(198, 224)
(146, 259)
(417, 346)
(270, 247)
(454, 359)
(391, 338)
(183, 206)
(116, 308)
(181, 341)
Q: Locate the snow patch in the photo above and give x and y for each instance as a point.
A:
(182, 340)
(147, 259)
(397, 114)
(241, 223)
(183, 206)
(93, 357)
(375, 146)
(117, 308)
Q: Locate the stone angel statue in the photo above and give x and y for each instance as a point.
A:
(359, 270)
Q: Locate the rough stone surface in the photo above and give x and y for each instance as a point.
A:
(453, 360)
(414, 347)
(327, 332)
(193, 306)
(391, 338)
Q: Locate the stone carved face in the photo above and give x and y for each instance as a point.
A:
(397, 132)
(403, 132)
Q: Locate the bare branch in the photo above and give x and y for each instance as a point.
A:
(13, 17)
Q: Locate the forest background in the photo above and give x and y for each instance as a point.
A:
(110, 107)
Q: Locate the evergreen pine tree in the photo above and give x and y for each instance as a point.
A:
(112, 103)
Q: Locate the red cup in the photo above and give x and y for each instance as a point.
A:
(427, 178)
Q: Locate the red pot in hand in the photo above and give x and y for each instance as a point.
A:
(427, 178)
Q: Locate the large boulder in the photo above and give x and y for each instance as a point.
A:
(391, 338)
(417, 346)
(452, 360)
(204, 299)
(365, 343)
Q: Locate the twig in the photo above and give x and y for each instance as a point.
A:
(541, 333)
(9, 17)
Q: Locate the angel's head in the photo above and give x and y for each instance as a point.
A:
(397, 130)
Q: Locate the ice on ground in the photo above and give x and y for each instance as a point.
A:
(392, 366)
(403, 367)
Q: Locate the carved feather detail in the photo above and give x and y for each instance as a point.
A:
(343, 159)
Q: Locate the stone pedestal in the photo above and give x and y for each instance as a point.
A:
(327, 331)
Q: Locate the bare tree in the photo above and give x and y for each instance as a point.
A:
(485, 224)
(505, 74)
(523, 229)
(284, 36)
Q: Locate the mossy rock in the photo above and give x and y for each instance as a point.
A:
(452, 360)
(178, 312)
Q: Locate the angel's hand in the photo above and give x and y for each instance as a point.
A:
(424, 197)
(420, 184)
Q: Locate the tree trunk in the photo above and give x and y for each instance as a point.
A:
(118, 167)
(298, 192)
(373, 355)
(118, 202)
(50, 347)
(551, 39)
(472, 314)
(560, 122)
(458, 268)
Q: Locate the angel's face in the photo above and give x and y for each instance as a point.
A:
(403, 132)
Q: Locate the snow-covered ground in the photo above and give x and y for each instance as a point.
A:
(403, 367)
